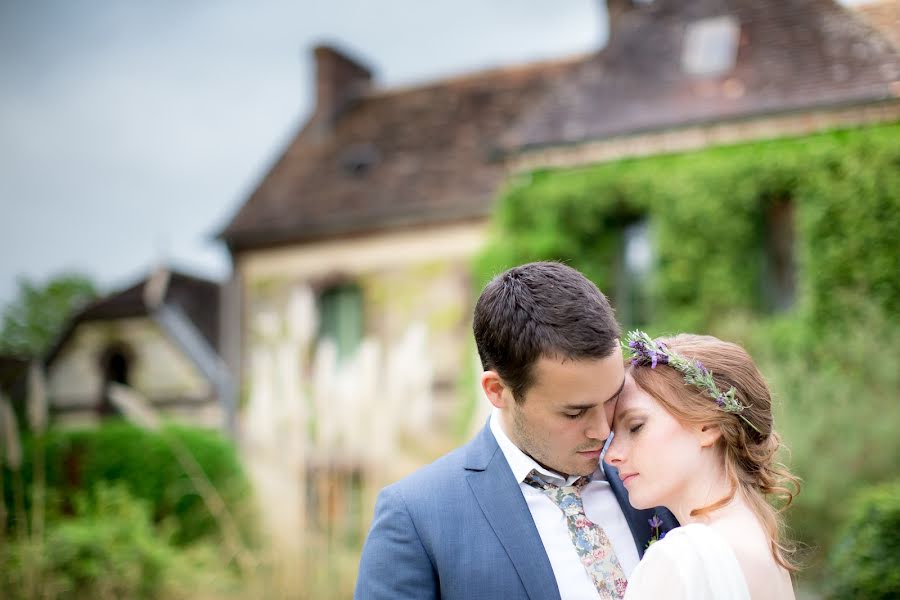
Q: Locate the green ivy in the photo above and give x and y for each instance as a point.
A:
(706, 210)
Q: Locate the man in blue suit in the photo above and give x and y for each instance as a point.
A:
(527, 509)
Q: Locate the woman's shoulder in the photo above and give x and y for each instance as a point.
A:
(765, 577)
(691, 561)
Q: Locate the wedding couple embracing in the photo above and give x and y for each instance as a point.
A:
(610, 467)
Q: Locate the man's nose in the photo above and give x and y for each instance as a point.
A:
(599, 429)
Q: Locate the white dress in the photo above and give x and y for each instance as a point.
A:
(690, 562)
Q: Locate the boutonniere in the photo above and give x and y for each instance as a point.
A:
(655, 524)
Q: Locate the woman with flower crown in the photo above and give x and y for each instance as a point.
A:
(693, 432)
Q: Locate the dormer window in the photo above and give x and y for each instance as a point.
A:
(710, 46)
(358, 159)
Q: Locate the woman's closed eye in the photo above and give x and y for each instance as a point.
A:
(635, 427)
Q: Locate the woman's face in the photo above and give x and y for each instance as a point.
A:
(657, 456)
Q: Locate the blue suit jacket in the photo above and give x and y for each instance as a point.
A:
(460, 528)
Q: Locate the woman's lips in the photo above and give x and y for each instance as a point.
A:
(628, 477)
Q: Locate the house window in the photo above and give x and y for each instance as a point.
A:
(710, 46)
(341, 318)
(779, 270)
(634, 273)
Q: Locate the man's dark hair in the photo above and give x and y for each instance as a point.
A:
(541, 309)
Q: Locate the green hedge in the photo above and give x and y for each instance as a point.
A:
(866, 561)
(707, 212)
(141, 461)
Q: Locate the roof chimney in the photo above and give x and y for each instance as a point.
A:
(616, 15)
(615, 9)
(339, 81)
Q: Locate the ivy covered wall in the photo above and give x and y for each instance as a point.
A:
(709, 214)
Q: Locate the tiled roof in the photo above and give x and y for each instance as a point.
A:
(197, 297)
(433, 153)
(792, 55)
(394, 158)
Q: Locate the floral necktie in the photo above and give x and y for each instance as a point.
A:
(590, 541)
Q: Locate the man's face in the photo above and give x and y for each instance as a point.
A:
(566, 414)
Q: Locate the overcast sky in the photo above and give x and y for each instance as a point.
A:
(131, 131)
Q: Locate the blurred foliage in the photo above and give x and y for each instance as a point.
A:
(831, 357)
(834, 407)
(109, 551)
(143, 464)
(109, 548)
(866, 561)
(707, 213)
(36, 318)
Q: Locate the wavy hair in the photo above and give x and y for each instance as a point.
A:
(750, 456)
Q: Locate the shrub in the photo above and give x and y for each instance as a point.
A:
(866, 561)
(142, 462)
(110, 549)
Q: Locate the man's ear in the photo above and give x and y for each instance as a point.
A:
(493, 388)
(708, 434)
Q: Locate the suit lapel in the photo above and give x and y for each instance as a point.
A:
(505, 509)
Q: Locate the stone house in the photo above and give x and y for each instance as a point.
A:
(352, 256)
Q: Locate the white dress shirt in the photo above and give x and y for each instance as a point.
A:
(600, 506)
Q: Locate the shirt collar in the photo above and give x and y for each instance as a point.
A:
(522, 464)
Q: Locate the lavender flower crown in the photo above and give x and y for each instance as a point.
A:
(646, 350)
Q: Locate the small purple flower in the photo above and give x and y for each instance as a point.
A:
(654, 357)
(720, 399)
(655, 522)
(701, 368)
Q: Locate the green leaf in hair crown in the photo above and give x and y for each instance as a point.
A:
(647, 351)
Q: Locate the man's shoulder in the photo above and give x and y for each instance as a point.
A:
(449, 469)
(442, 479)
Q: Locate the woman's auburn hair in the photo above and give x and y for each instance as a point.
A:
(750, 456)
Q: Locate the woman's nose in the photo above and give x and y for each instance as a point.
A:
(613, 452)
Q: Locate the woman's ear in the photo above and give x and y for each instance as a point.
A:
(494, 388)
(708, 434)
